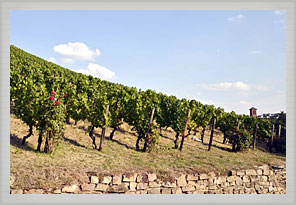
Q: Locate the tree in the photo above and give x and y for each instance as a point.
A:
(227, 122)
(96, 107)
(116, 96)
(163, 115)
(205, 117)
(139, 109)
(178, 115)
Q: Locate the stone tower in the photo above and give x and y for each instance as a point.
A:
(253, 112)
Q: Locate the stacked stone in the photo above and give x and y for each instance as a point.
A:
(260, 180)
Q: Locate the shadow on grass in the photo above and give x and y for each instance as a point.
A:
(125, 132)
(114, 140)
(17, 142)
(73, 142)
(166, 137)
(83, 128)
(222, 148)
(98, 136)
(120, 143)
(262, 149)
(195, 147)
(258, 147)
(118, 130)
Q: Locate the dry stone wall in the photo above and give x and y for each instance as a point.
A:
(260, 180)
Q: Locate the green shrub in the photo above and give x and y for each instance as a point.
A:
(264, 129)
(153, 141)
(240, 140)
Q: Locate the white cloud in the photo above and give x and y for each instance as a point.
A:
(67, 60)
(238, 18)
(279, 12)
(260, 88)
(53, 60)
(75, 51)
(256, 52)
(243, 102)
(98, 71)
(242, 93)
(225, 86)
(207, 102)
(243, 88)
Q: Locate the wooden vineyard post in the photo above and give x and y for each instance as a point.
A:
(212, 134)
(149, 127)
(103, 130)
(238, 124)
(271, 139)
(185, 129)
(254, 136)
(279, 131)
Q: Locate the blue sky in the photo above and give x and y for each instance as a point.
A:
(234, 59)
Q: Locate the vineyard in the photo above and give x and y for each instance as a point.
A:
(58, 106)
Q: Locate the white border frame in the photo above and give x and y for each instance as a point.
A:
(289, 197)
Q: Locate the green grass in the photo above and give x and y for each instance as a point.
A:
(37, 170)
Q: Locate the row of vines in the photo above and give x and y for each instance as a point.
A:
(46, 96)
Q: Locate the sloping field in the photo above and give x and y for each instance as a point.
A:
(75, 157)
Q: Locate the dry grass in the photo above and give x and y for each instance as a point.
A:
(75, 156)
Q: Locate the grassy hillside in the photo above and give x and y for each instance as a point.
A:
(75, 156)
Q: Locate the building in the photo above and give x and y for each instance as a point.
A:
(253, 112)
(280, 115)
